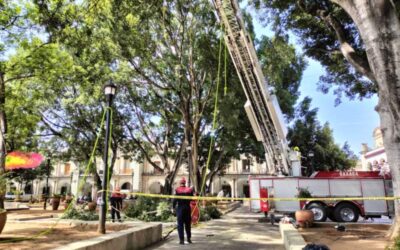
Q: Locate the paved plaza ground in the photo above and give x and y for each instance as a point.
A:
(237, 230)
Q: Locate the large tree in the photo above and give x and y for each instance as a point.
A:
(29, 70)
(284, 68)
(75, 117)
(358, 43)
(309, 136)
(175, 65)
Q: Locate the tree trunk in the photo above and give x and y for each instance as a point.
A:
(97, 181)
(379, 27)
(2, 137)
(169, 181)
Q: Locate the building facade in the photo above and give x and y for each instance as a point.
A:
(131, 176)
(374, 159)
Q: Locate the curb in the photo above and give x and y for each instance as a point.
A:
(33, 218)
(233, 207)
(132, 239)
(292, 239)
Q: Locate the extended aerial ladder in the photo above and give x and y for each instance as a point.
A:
(261, 107)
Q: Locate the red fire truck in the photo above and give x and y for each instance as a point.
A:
(340, 185)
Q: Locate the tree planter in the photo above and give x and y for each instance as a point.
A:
(17, 198)
(92, 206)
(304, 218)
(67, 201)
(3, 219)
(55, 203)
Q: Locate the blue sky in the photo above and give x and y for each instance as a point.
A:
(351, 121)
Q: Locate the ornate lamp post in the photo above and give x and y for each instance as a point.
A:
(47, 183)
(311, 155)
(109, 91)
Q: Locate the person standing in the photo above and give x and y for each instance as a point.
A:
(183, 211)
(116, 204)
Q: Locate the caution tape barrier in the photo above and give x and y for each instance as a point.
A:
(207, 198)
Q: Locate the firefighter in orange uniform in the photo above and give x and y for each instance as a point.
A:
(183, 211)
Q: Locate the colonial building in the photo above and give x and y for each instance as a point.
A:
(131, 176)
(374, 158)
(233, 180)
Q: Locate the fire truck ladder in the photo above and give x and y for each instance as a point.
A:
(261, 107)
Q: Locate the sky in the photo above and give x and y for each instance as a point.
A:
(352, 120)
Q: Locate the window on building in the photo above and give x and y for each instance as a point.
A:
(28, 189)
(126, 169)
(67, 168)
(126, 186)
(246, 165)
(64, 190)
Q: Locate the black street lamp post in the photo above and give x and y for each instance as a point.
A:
(311, 155)
(109, 91)
(47, 183)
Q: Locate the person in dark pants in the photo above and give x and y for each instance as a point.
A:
(183, 212)
(116, 204)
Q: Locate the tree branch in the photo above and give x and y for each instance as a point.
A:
(359, 63)
(144, 151)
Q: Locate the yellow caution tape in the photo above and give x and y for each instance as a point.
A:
(205, 198)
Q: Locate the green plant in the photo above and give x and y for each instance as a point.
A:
(79, 214)
(303, 193)
(145, 216)
(204, 216)
(3, 185)
(395, 245)
(57, 195)
(142, 205)
(213, 212)
(163, 211)
(18, 192)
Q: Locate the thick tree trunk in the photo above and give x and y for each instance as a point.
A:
(379, 27)
(169, 181)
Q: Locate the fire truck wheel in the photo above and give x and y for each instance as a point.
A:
(346, 212)
(320, 212)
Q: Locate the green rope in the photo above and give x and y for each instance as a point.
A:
(91, 158)
(226, 70)
(214, 115)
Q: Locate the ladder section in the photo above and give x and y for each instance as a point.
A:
(266, 111)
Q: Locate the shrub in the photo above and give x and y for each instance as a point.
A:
(145, 216)
(163, 211)
(132, 211)
(142, 204)
(149, 209)
(204, 216)
(303, 193)
(79, 214)
(395, 245)
(213, 212)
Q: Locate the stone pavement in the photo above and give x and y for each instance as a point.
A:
(239, 229)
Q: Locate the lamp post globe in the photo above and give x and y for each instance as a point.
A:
(311, 155)
(110, 88)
